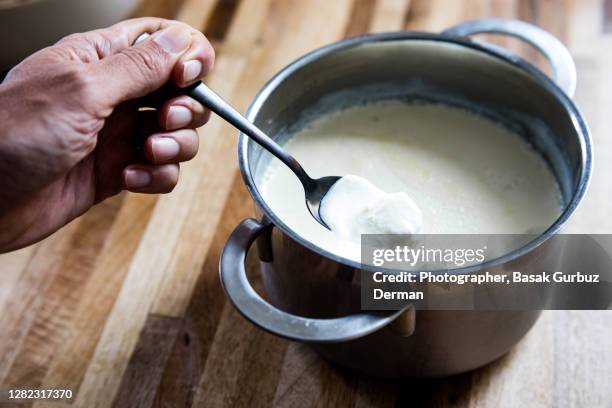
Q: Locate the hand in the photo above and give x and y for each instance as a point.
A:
(72, 123)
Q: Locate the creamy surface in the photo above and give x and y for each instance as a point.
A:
(466, 174)
(354, 206)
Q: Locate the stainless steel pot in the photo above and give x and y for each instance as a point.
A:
(313, 295)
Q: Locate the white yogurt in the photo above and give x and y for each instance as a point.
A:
(466, 174)
(354, 206)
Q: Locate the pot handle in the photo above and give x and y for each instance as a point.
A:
(559, 57)
(240, 292)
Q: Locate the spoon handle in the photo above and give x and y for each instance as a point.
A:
(208, 98)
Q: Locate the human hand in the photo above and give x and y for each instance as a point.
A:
(71, 123)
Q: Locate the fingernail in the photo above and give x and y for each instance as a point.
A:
(136, 178)
(173, 39)
(178, 117)
(191, 70)
(164, 148)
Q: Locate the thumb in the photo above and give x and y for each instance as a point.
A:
(141, 69)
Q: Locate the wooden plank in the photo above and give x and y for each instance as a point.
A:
(98, 296)
(145, 368)
(182, 374)
(196, 12)
(433, 15)
(299, 36)
(593, 96)
(531, 12)
(499, 384)
(389, 15)
(158, 8)
(262, 360)
(24, 302)
(583, 367)
(50, 326)
(12, 266)
(339, 386)
(220, 19)
(475, 9)
(552, 17)
(361, 16)
(373, 392)
(254, 353)
(228, 376)
(244, 35)
(308, 380)
(299, 383)
(585, 27)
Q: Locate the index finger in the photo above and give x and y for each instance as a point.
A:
(111, 40)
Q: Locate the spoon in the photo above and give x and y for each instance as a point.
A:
(314, 189)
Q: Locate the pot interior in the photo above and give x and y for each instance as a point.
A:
(430, 67)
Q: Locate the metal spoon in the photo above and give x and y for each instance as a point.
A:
(314, 189)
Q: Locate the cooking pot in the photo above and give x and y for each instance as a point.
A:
(312, 295)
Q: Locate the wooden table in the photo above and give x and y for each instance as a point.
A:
(124, 305)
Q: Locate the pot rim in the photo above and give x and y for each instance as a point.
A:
(495, 52)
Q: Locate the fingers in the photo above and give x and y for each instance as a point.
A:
(151, 179)
(173, 147)
(114, 39)
(174, 51)
(182, 112)
(164, 151)
(195, 63)
(142, 68)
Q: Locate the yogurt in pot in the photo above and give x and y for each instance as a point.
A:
(413, 168)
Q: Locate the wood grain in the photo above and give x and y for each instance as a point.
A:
(57, 303)
(124, 305)
(98, 296)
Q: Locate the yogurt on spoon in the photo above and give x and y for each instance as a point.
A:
(354, 206)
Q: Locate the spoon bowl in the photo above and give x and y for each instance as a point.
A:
(315, 190)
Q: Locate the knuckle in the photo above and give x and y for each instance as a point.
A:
(80, 142)
(77, 78)
(149, 62)
(81, 86)
(76, 37)
(82, 47)
(82, 145)
(88, 127)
